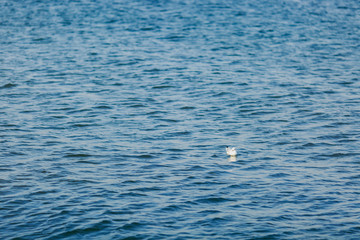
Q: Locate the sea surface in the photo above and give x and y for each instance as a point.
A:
(115, 115)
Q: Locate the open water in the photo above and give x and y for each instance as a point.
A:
(115, 114)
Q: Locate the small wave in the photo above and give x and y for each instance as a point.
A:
(188, 108)
(178, 134)
(176, 150)
(213, 200)
(84, 230)
(145, 156)
(8, 85)
(118, 212)
(132, 226)
(279, 175)
(171, 208)
(338, 155)
(132, 194)
(78, 155)
(103, 107)
(162, 87)
(147, 189)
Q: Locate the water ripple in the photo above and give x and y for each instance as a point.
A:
(114, 118)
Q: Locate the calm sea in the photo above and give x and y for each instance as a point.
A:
(115, 115)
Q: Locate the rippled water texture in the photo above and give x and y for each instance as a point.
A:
(115, 115)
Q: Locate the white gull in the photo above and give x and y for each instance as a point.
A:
(231, 151)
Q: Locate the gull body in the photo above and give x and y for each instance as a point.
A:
(231, 151)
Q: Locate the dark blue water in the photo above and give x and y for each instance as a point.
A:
(114, 117)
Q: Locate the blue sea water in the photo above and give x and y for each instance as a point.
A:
(115, 115)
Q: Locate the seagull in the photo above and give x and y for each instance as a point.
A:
(230, 151)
